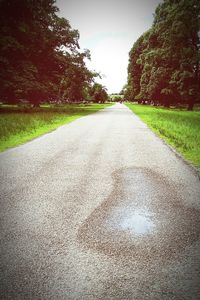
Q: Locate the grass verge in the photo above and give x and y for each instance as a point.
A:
(179, 128)
(19, 125)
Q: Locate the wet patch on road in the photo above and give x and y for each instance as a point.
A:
(144, 217)
(139, 222)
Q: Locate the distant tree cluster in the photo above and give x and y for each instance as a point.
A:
(40, 58)
(164, 63)
(97, 93)
(116, 97)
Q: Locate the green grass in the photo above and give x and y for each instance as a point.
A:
(179, 128)
(19, 125)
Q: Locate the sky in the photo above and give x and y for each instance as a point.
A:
(109, 28)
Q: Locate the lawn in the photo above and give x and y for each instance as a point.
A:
(180, 128)
(19, 125)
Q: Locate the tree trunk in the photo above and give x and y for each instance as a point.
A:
(35, 105)
(190, 105)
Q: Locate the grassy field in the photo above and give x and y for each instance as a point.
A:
(19, 125)
(179, 128)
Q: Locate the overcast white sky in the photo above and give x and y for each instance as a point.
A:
(108, 28)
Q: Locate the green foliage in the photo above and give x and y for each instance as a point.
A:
(179, 128)
(19, 125)
(164, 63)
(98, 93)
(135, 67)
(39, 54)
(116, 97)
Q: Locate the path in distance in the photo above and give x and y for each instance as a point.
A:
(99, 209)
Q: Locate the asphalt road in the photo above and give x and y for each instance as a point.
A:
(99, 209)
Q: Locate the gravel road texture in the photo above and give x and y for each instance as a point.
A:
(99, 209)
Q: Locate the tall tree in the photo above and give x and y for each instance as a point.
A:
(135, 68)
(98, 93)
(169, 64)
(38, 50)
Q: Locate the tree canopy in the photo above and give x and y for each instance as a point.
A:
(98, 93)
(40, 59)
(164, 63)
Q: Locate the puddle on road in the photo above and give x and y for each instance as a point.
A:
(139, 222)
(143, 217)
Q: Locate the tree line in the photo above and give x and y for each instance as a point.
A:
(164, 63)
(40, 57)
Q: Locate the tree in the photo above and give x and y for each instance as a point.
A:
(39, 52)
(98, 93)
(135, 68)
(177, 23)
(167, 70)
(76, 79)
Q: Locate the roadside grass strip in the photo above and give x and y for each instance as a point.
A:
(180, 128)
(20, 125)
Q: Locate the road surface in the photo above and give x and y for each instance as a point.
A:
(99, 209)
